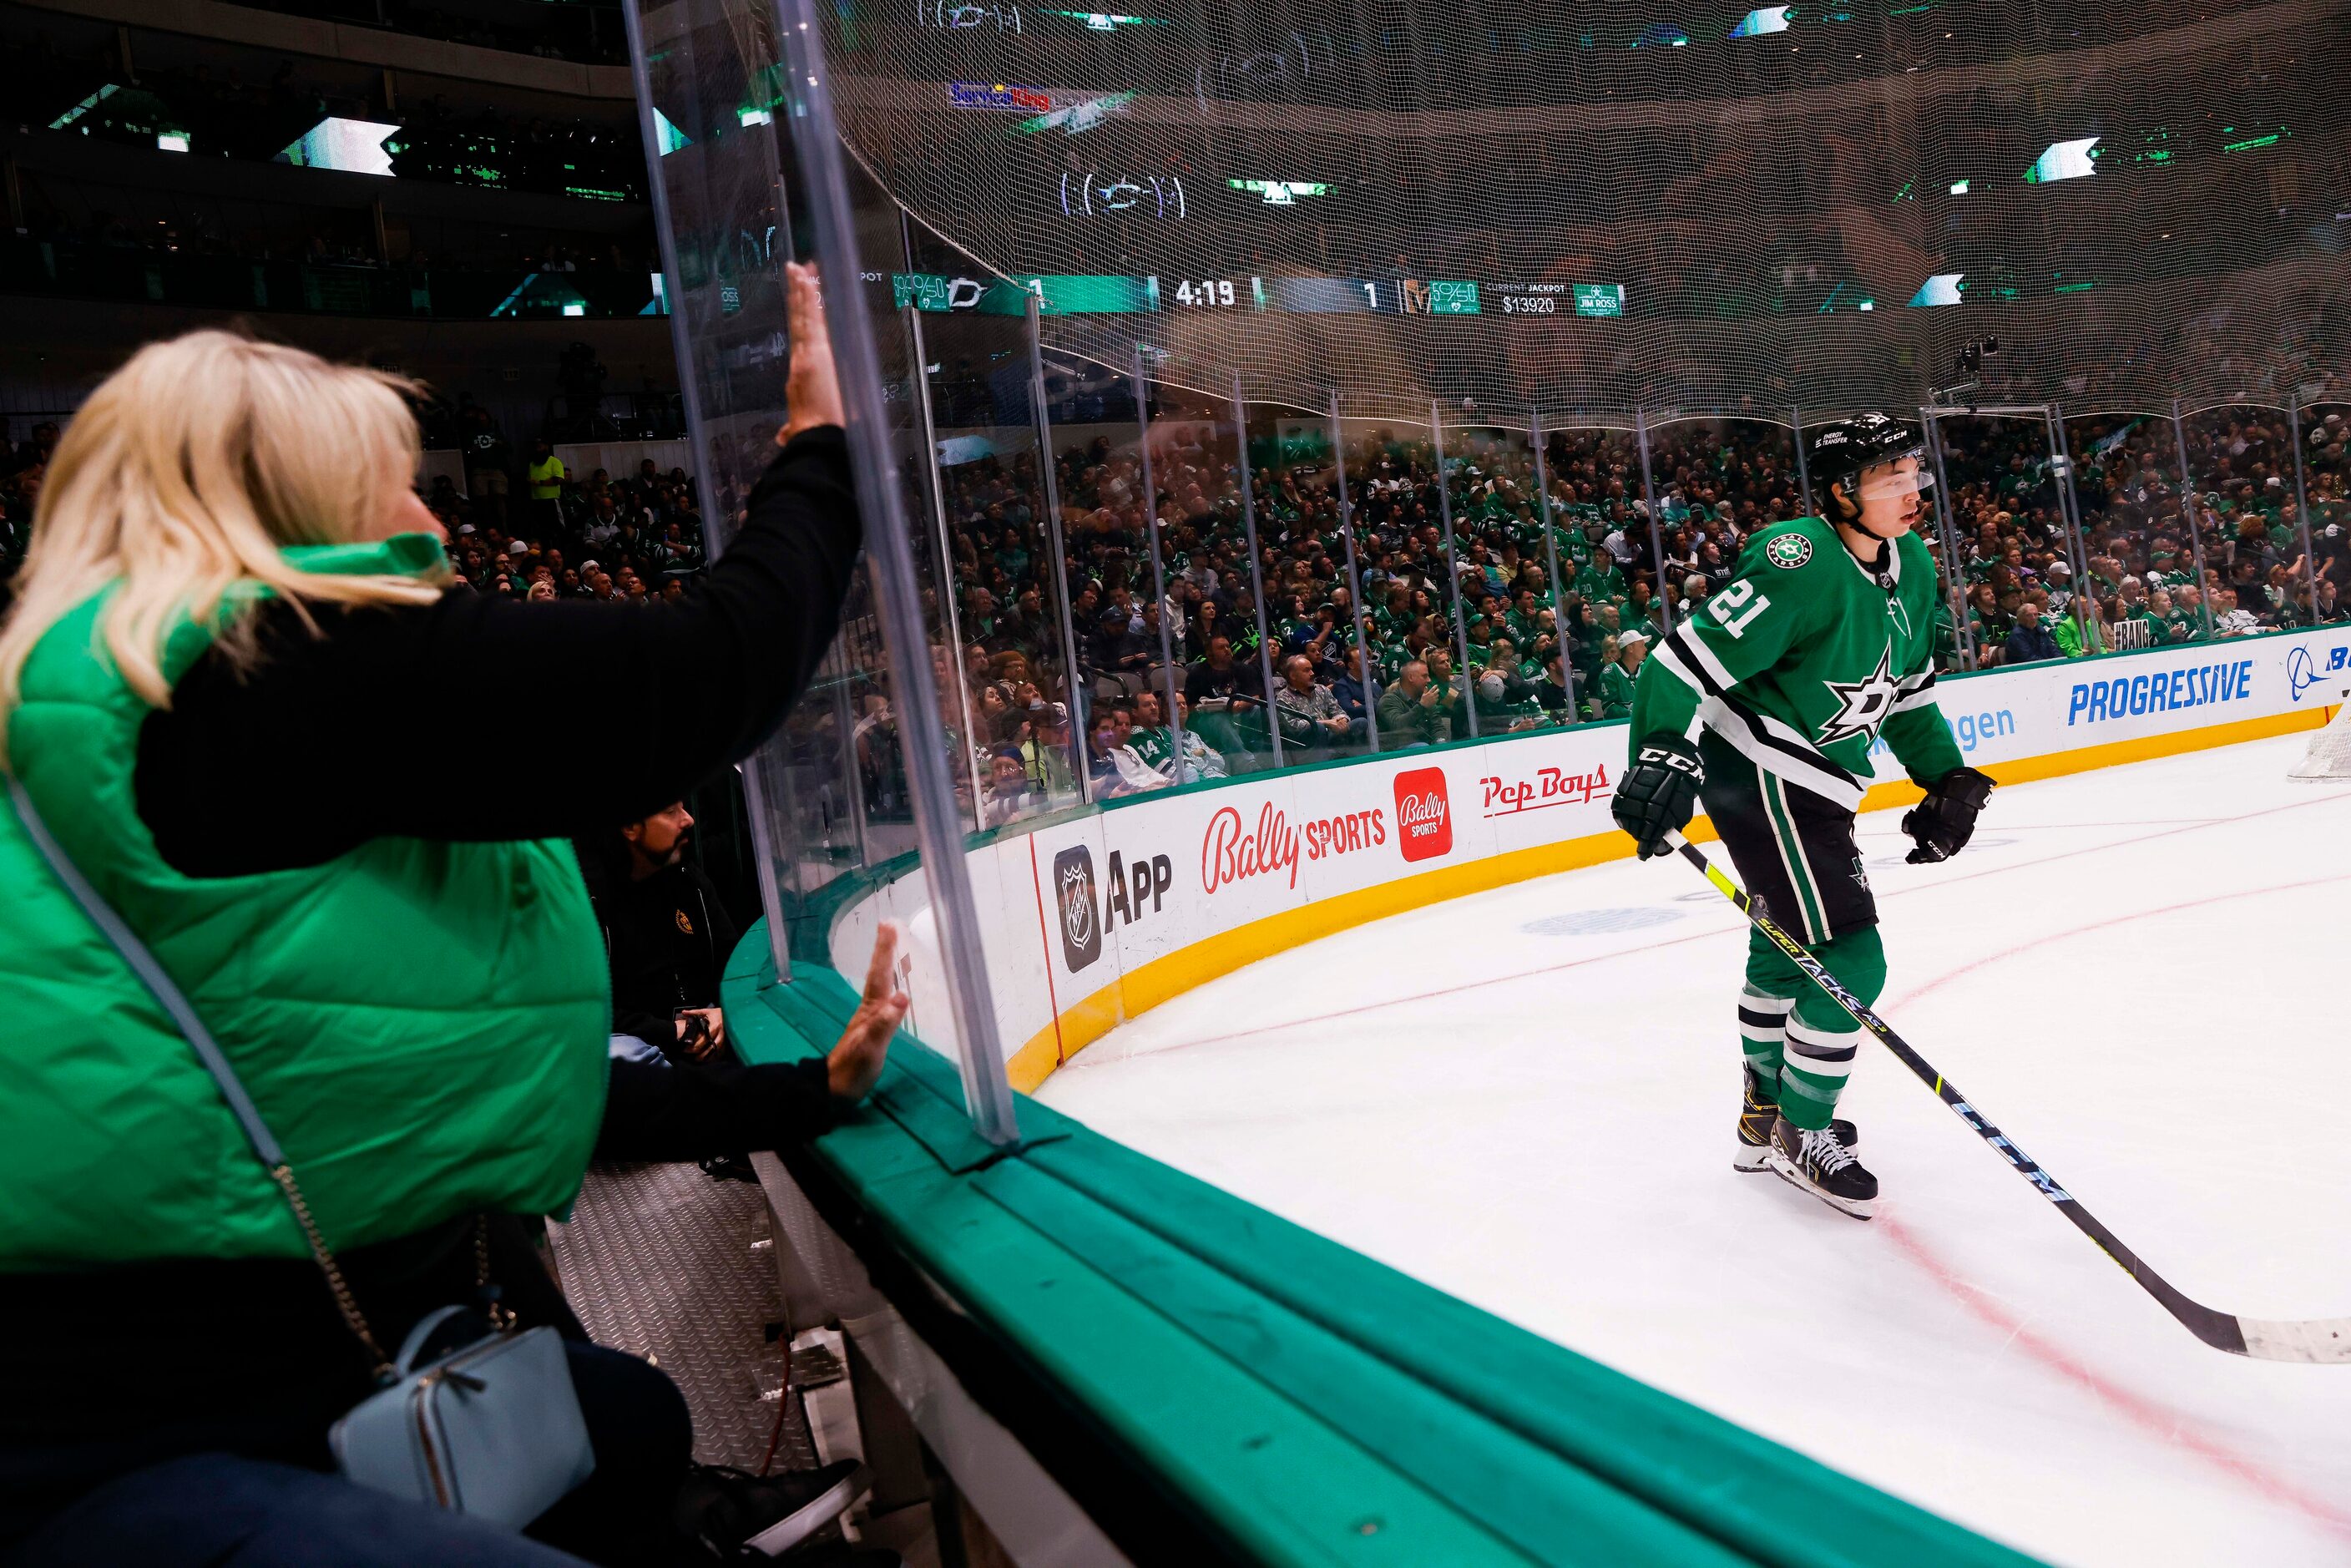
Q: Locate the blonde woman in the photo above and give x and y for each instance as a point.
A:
(235, 690)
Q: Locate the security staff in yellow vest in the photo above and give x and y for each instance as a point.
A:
(547, 475)
(233, 688)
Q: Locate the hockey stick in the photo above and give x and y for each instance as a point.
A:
(2319, 1340)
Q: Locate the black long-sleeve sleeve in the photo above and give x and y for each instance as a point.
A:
(480, 718)
(656, 1112)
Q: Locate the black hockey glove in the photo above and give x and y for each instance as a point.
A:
(1658, 793)
(1945, 820)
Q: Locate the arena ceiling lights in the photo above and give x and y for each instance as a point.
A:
(1282, 193)
(2075, 160)
(349, 146)
(1761, 20)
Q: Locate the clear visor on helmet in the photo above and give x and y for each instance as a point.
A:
(1897, 478)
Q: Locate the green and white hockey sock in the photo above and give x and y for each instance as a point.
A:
(1818, 1062)
(1763, 1031)
(1822, 1040)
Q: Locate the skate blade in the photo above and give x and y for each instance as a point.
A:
(1748, 1158)
(1779, 1165)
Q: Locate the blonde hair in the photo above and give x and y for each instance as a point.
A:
(182, 477)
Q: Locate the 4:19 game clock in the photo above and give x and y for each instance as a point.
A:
(1214, 293)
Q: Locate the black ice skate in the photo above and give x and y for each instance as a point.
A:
(1758, 1109)
(1821, 1164)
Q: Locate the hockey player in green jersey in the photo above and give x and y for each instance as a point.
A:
(1764, 705)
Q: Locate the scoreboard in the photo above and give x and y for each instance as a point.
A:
(1561, 299)
(1370, 296)
(1086, 295)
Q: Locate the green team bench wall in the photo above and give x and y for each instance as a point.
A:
(1211, 1384)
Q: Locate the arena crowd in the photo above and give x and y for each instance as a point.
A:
(1464, 637)
(1470, 634)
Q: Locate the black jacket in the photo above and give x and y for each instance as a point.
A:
(2031, 645)
(666, 938)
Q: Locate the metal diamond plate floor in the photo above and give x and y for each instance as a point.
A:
(660, 1261)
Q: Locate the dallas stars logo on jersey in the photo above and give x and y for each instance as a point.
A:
(1788, 552)
(1862, 704)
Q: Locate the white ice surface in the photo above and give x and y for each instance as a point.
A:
(2139, 973)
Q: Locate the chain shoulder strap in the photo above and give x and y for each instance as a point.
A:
(167, 994)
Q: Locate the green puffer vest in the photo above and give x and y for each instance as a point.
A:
(422, 1024)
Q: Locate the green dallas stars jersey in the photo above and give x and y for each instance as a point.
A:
(1801, 658)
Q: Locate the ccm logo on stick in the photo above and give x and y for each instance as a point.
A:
(1424, 814)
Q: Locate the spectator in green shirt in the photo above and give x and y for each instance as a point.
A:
(2079, 631)
(1624, 655)
(2169, 624)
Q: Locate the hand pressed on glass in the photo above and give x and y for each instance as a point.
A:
(856, 1059)
(812, 394)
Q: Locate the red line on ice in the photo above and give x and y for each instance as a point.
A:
(2159, 1421)
(2070, 931)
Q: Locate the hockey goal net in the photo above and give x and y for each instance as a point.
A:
(2329, 756)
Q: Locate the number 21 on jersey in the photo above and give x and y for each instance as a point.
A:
(1737, 606)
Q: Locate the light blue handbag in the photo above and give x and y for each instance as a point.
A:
(492, 1430)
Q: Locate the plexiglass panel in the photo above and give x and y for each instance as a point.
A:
(2326, 431)
(1403, 553)
(2019, 556)
(1510, 623)
(882, 754)
(2127, 480)
(1017, 680)
(1608, 565)
(2241, 464)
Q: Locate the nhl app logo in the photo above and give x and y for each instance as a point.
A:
(1790, 550)
(1424, 814)
(1073, 892)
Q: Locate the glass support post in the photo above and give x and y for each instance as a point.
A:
(1656, 536)
(2188, 515)
(1158, 574)
(1453, 571)
(718, 526)
(1967, 626)
(1550, 557)
(934, 480)
(1804, 470)
(845, 718)
(1058, 581)
(2061, 461)
(1963, 630)
(1354, 577)
(988, 1094)
(2302, 500)
(2060, 474)
(1256, 570)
